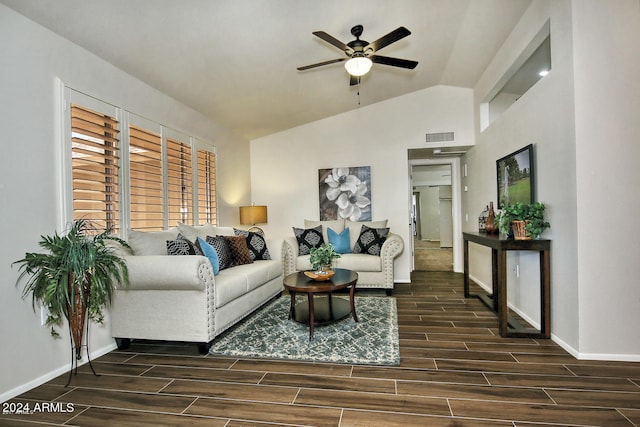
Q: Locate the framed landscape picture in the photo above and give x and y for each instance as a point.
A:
(516, 177)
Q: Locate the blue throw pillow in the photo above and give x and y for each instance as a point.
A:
(209, 252)
(341, 241)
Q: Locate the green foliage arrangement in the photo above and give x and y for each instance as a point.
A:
(322, 256)
(532, 214)
(75, 277)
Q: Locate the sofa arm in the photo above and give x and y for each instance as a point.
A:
(391, 248)
(290, 251)
(167, 272)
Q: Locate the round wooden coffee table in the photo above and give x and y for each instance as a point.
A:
(323, 310)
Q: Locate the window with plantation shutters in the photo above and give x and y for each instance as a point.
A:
(179, 182)
(207, 187)
(146, 199)
(95, 167)
(124, 171)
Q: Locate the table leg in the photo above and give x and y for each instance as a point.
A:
(312, 319)
(466, 268)
(352, 301)
(545, 293)
(503, 310)
(495, 279)
(330, 307)
(292, 308)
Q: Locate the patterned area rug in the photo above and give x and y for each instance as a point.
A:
(269, 334)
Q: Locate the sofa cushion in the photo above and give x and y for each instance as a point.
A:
(355, 227)
(341, 242)
(239, 251)
(151, 242)
(370, 240)
(337, 225)
(229, 286)
(221, 247)
(258, 273)
(192, 232)
(303, 263)
(308, 238)
(211, 254)
(359, 262)
(257, 245)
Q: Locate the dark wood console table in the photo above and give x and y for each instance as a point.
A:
(497, 301)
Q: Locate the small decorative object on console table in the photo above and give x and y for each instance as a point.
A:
(525, 220)
(482, 220)
(491, 226)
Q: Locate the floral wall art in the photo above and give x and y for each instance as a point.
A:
(345, 193)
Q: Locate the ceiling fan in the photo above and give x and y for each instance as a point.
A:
(360, 54)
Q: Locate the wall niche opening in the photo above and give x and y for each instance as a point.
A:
(532, 65)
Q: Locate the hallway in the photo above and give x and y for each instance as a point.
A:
(428, 256)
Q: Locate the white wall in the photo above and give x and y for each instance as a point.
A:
(33, 59)
(284, 166)
(607, 65)
(570, 116)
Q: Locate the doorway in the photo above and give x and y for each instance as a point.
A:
(449, 158)
(432, 217)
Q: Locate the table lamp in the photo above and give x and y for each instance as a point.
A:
(252, 215)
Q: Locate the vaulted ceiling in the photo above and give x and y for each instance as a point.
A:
(235, 60)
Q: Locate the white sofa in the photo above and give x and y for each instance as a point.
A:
(178, 298)
(373, 271)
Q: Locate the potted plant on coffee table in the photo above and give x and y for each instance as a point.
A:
(74, 279)
(525, 220)
(321, 259)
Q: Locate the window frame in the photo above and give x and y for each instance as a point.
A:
(125, 119)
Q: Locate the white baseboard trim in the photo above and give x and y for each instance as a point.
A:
(55, 373)
(568, 348)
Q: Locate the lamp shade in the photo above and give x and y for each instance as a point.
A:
(253, 215)
(358, 65)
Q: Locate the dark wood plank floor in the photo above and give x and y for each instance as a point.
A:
(455, 371)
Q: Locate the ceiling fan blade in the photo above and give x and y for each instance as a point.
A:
(394, 62)
(392, 37)
(320, 64)
(354, 80)
(331, 40)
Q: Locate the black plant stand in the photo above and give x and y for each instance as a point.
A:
(76, 354)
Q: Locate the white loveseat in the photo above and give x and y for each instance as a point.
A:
(178, 298)
(373, 271)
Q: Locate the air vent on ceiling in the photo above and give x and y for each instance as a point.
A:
(440, 137)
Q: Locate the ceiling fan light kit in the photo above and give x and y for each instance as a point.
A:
(361, 54)
(358, 66)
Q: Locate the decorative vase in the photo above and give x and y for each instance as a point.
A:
(520, 230)
(78, 313)
(490, 225)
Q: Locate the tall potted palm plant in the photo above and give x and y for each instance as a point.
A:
(74, 279)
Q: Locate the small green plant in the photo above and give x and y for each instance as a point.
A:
(532, 214)
(322, 256)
